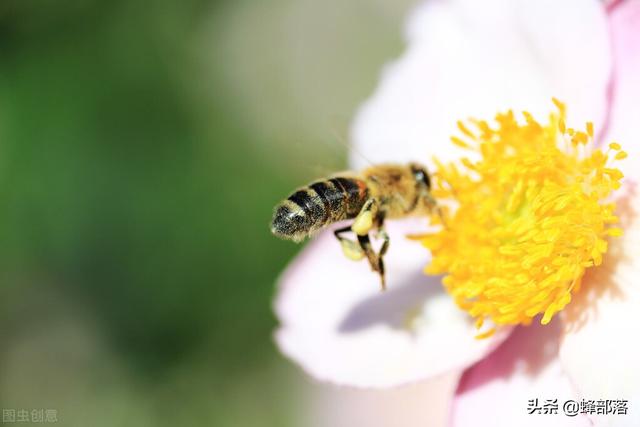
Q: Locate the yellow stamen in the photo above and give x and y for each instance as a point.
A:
(486, 334)
(460, 143)
(525, 220)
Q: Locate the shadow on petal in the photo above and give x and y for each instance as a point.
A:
(525, 367)
(392, 307)
(527, 351)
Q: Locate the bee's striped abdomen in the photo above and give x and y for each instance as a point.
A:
(317, 205)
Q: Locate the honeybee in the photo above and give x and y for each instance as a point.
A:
(377, 193)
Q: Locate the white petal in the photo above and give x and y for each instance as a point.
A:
(416, 405)
(599, 348)
(496, 391)
(476, 58)
(339, 326)
(625, 110)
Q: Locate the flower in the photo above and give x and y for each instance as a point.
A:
(531, 218)
(467, 58)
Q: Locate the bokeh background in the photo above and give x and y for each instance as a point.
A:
(143, 146)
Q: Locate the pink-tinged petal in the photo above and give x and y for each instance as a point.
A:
(421, 404)
(599, 348)
(339, 326)
(475, 58)
(625, 110)
(496, 391)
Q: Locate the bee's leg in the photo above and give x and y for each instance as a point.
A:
(430, 201)
(365, 220)
(382, 234)
(350, 248)
(375, 260)
(385, 243)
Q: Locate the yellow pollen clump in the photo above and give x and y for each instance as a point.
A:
(525, 219)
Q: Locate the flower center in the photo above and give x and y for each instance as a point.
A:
(525, 219)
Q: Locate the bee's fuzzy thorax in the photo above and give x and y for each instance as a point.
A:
(395, 187)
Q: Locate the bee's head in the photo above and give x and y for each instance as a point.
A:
(421, 176)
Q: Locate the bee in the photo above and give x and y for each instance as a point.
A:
(368, 198)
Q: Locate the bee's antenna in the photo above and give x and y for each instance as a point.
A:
(342, 139)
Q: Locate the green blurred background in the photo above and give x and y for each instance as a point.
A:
(142, 148)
